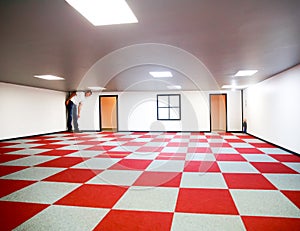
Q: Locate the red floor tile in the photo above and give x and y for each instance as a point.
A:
(247, 181)
(286, 158)
(15, 213)
(56, 152)
(50, 146)
(120, 220)
(171, 156)
(235, 141)
(131, 164)
(5, 170)
(177, 144)
(201, 166)
(102, 196)
(150, 149)
(90, 142)
(263, 145)
(4, 144)
(8, 157)
(198, 140)
(199, 150)
(7, 150)
(208, 201)
(248, 151)
(293, 196)
(73, 175)
(134, 144)
(219, 145)
(267, 167)
(229, 157)
(100, 148)
(160, 140)
(113, 154)
(9, 186)
(62, 162)
(159, 179)
(271, 223)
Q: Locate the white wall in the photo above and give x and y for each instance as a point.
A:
(272, 109)
(26, 111)
(137, 112)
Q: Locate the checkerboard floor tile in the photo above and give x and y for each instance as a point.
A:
(148, 181)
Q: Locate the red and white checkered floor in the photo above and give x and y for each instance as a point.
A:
(148, 181)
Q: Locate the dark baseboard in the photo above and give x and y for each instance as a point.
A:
(285, 149)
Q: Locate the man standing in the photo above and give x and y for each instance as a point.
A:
(74, 104)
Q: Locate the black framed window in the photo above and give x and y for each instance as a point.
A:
(169, 107)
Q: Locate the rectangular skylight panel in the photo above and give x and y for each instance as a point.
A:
(104, 12)
(49, 77)
(161, 74)
(174, 87)
(245, 73)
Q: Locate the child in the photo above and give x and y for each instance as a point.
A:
(245, 126)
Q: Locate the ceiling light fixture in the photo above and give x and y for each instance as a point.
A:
(245, 73)
(233, 86)
(104, 12)
(49, 77)
(161, 74)
(97, 88)
(174, 87)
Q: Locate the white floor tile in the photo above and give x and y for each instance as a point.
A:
(258, 158)
(264, 203)
(42, 192)
(175, 149)
(200, 156)
(116, 177)
(97, 163)
(273, 151)
(222, 150)
(166, 166)
(294, 166)
(125, 149)
(30, 160)
(205, 222)
(241, 145)
(142, 155)
(236, 167)
(149, 199)
(284, 181)
(33, 173)
(203, 180)
(64, 218)
(86, 153)
(29, 151)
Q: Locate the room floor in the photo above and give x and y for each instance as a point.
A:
(148, 181)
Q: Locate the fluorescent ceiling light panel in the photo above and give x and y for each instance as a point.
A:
(234, 86)
(104, 12)
(161, 74)
(49, 77)
(174, 87)
(97, 88)
(245, 73)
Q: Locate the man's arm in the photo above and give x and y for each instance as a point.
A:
(70, 97)
(79, 110)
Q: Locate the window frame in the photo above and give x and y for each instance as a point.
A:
(169, 107)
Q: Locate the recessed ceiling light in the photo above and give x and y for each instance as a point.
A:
(104, 12)
(97, 88)
(245, 73)
(234, 86)
(174, 87)
(49, 77)
(161, 74)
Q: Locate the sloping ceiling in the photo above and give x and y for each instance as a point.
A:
(50, 37)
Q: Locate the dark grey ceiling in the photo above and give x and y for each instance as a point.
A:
(50, 37)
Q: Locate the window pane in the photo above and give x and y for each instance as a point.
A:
(163, 101)
(163, 113)
(174, 100)
(174, 113)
